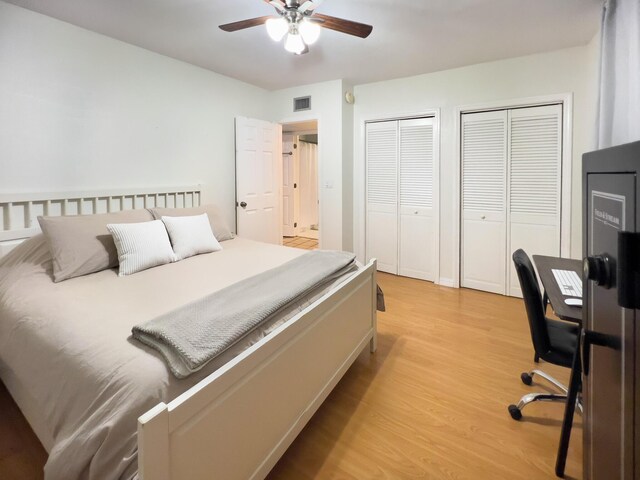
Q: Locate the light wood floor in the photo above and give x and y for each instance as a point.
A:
(300, 242)
(431, 403)
(21, 454)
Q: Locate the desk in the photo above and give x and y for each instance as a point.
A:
(544, 266)
(574, 314)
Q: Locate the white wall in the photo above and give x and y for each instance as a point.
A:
(79, 110)
(564, 71)
(347, 171)
(327, 107)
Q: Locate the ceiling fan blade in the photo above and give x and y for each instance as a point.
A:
(345, 26)
(242, 24)
(277, 4)
(309, 5)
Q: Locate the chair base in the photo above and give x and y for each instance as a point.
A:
(527, 378)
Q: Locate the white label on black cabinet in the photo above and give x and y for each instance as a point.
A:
(607, 212)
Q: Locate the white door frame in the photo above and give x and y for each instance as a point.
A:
(308, 118)
(360, 174)
(292, 201)
(566, 99)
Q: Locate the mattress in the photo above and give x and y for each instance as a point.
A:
(67, 356)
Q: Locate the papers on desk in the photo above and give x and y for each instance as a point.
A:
(569, 282)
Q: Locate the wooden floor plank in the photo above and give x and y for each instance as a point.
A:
(21, 453)
(431, 403)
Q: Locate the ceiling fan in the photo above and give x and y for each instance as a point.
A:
(298, 21)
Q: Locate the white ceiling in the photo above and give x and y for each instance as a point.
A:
(409, 36)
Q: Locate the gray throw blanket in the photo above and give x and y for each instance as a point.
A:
(193, 335)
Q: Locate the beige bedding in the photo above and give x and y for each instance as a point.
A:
(69, 346)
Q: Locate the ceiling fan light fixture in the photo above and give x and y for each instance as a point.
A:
(277, 28)
(294, 43)
(310, 31)
(297, 20)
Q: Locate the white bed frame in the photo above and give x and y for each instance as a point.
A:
(19, 211)
(238, 421)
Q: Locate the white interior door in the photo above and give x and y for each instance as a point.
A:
(417, 244)
(484, 182)
(382, 194)
(288, 187)
(258, 174)
(535, 152)
(511, 185)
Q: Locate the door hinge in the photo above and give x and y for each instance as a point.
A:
(295, 224)
(295, 185)
(628, 270)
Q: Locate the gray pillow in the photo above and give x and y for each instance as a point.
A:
(219, 225)
(81, 244)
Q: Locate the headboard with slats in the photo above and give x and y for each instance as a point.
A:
(19, 211)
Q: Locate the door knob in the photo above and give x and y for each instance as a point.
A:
(243, 204)
(483, 217)
(599, 269)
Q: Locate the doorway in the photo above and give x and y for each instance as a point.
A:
(300, 194)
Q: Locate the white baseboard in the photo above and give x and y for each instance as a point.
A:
(447, 282)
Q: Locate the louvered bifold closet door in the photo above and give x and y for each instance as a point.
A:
(535, 139)
(382, 194)
(484, 175)
(417, 220)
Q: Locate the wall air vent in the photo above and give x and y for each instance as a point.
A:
(301, 103)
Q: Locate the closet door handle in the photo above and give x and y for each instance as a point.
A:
(483, 217)
(589, 338)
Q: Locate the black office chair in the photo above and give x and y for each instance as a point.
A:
(545, 304)
(553, 341)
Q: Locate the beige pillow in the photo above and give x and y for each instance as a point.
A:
(81, 244)
(219, 226)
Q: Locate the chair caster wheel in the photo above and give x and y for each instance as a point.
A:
(515, 412)
(526, 378)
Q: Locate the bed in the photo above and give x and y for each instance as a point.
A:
(105, 406)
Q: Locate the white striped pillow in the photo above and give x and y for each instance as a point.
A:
(141, 245)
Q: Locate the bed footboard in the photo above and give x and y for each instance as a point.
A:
(237, 423)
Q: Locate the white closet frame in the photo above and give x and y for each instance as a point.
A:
(566, 99)
(360, 175)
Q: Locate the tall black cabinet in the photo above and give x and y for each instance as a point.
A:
(610, 355)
